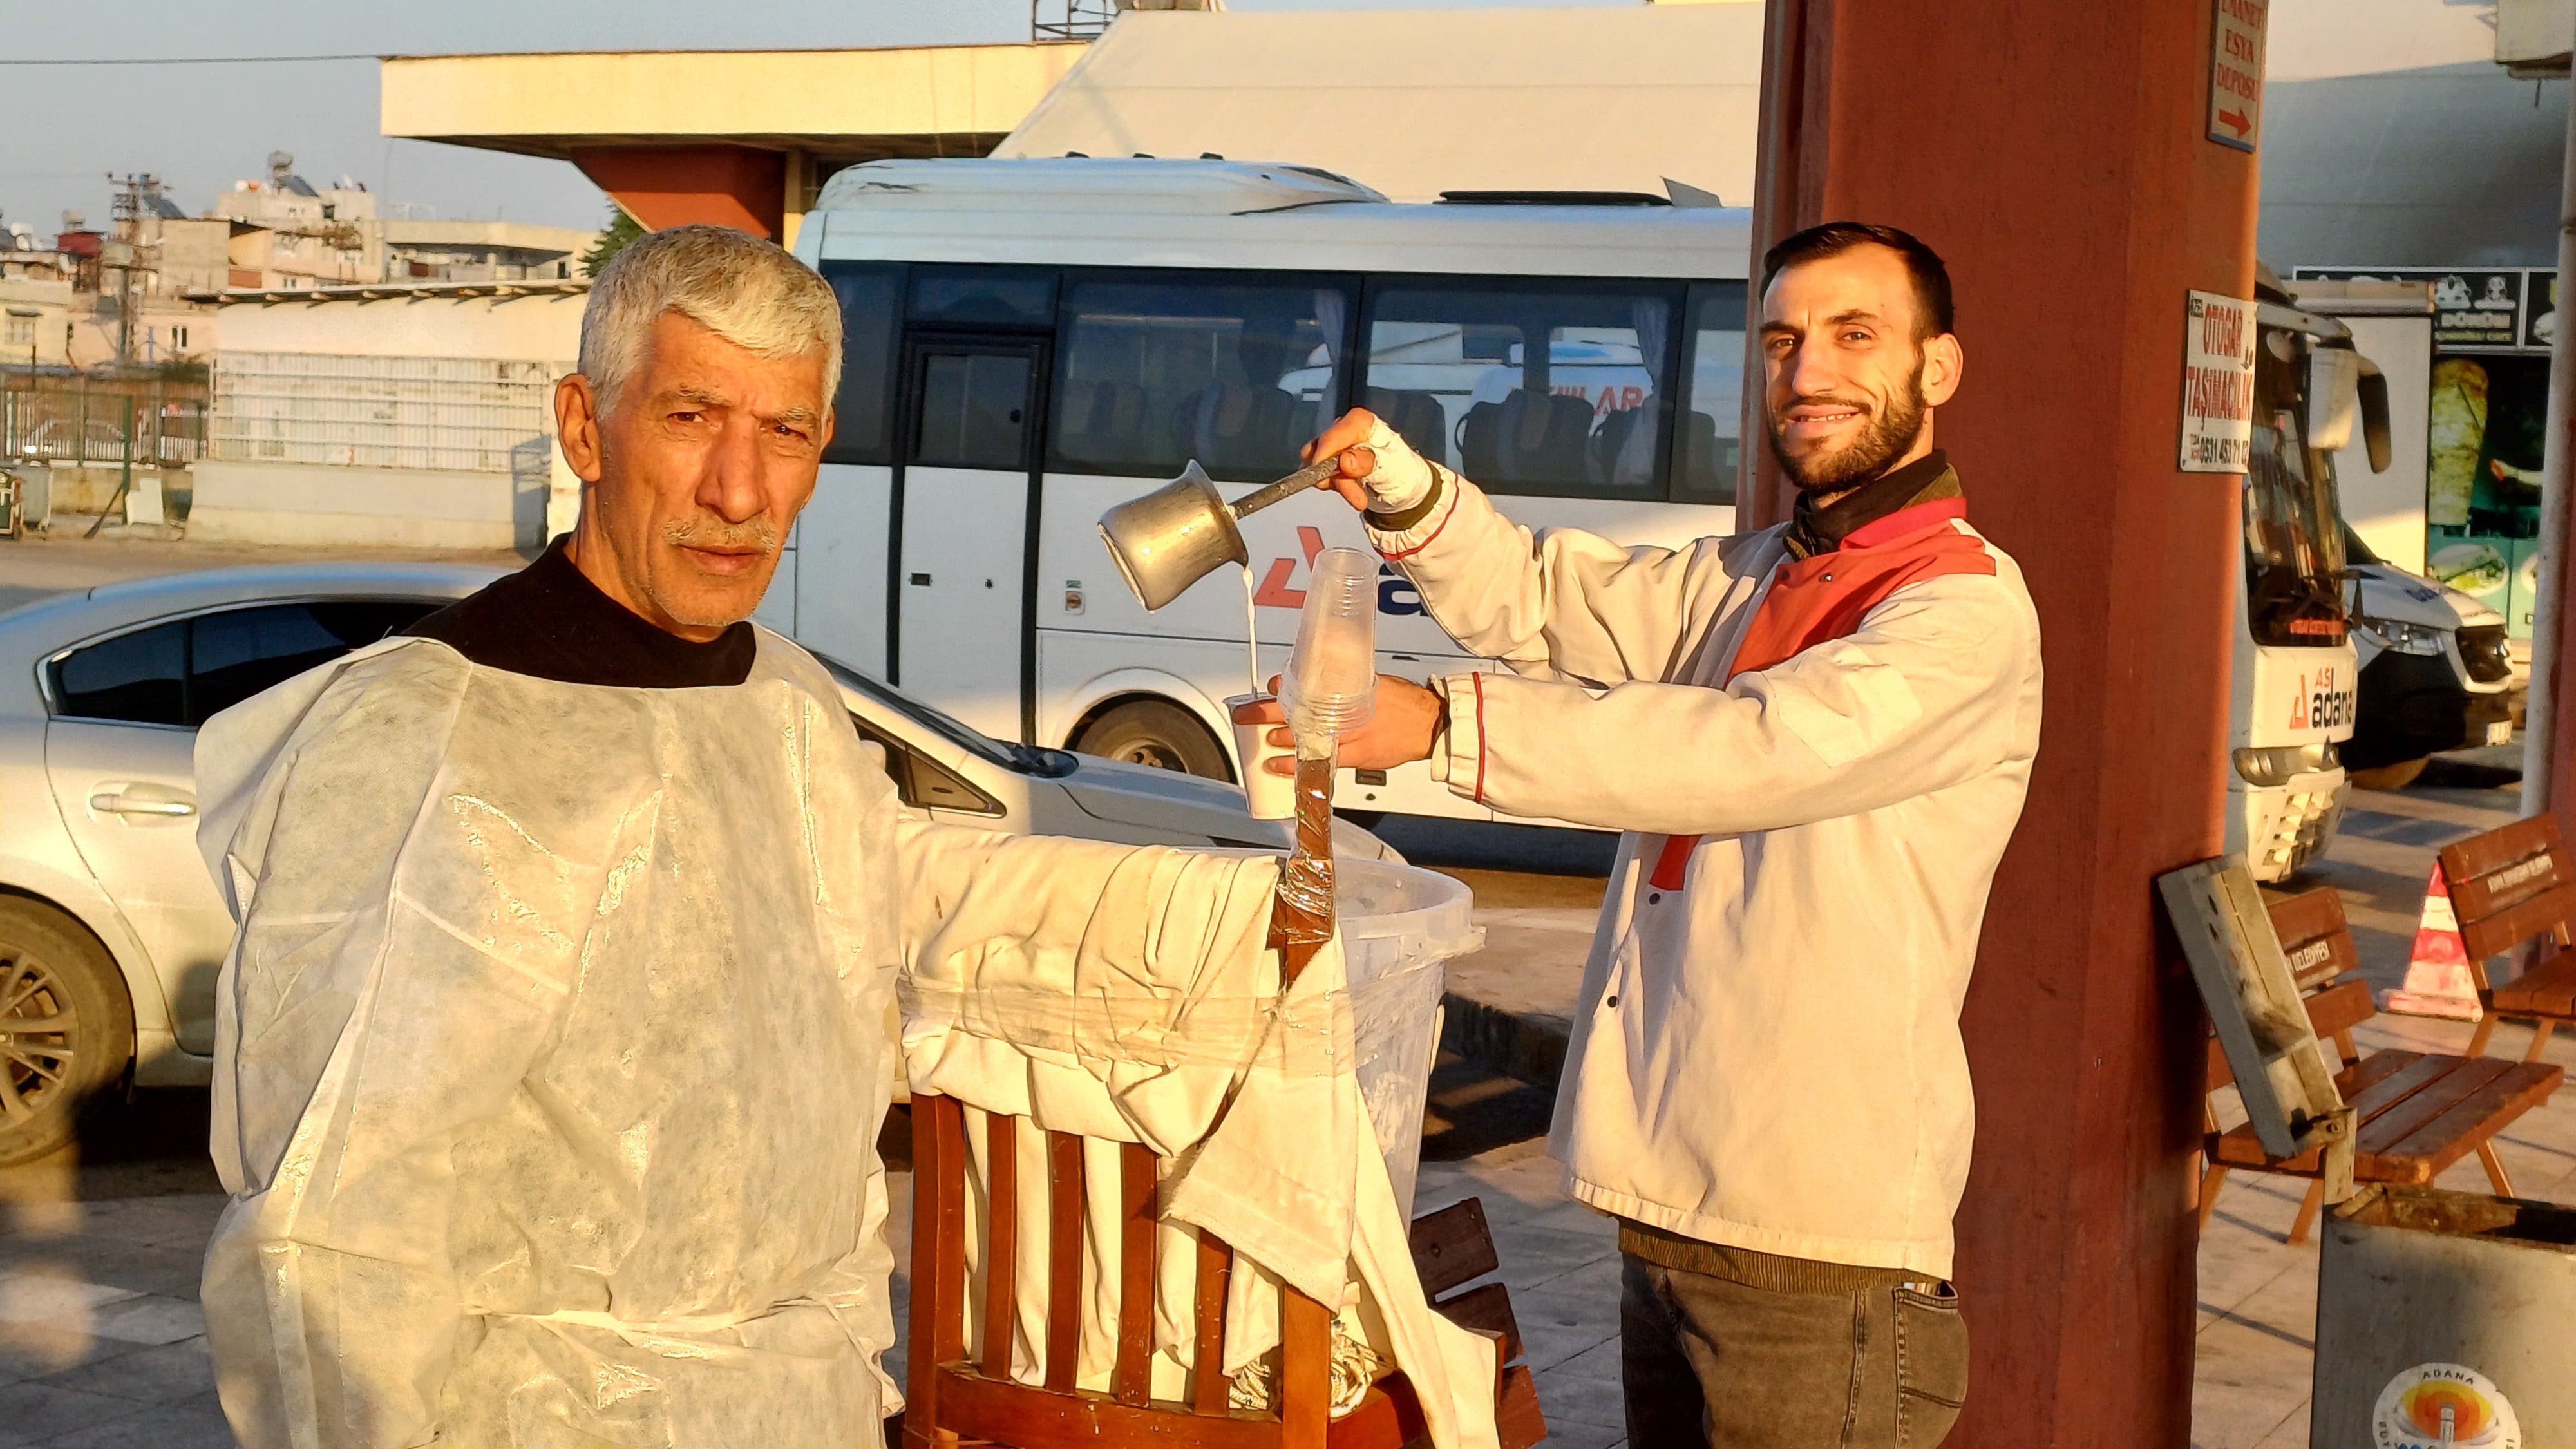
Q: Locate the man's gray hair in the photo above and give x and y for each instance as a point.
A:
(749, 292)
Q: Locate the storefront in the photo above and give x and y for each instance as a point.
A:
(2484, 413)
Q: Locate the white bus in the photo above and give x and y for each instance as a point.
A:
(1031, 341)
(2296, 669)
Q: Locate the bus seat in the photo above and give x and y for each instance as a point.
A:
(1235, 428)
(1102, 422)
(1527, 438)
(1699, 461)
(1417, 417)
(1618, 455)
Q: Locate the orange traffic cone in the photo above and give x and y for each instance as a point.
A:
(2437, 970)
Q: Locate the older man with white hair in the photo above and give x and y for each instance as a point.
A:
(553, 1045)
(552, 1049)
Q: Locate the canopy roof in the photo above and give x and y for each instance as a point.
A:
(1417, 102)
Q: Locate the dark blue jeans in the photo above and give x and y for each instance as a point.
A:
(1707, 1361)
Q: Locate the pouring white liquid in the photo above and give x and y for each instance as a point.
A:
(1269, 796)
(1252, 631)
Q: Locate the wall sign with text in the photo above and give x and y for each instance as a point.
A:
(2475, 309)
(2217, 383)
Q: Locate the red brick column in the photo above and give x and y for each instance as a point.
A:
(2055, 155)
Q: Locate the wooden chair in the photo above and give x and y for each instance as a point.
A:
(2418, 1112)
(954, 1399)
(2508, 887)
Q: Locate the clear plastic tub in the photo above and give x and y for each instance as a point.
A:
(1398, 924)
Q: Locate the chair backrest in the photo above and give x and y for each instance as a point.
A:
(2509, 885)
(2282, 1072)
(2317, 941)
(2315, 937)
(952, 1397)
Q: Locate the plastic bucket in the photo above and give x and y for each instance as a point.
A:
(1398, 924)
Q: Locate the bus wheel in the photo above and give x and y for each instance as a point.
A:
(1152, 732)
(2389, 777)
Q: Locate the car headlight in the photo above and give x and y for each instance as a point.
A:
(2267, 768)
(2400, 636)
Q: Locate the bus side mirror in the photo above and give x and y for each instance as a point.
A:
(2372, 389)
(2334, 375)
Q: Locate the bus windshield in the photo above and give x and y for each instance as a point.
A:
(2294, 556)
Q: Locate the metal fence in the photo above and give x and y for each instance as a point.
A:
(75, 420)
(464, 414)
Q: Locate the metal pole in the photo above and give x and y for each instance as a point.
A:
(2540, 717)
(125, 473)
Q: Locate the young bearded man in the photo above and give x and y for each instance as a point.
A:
(1817, 738)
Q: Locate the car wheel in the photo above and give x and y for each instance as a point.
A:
(1153, 732)
(2388, 777)
(66, 1028)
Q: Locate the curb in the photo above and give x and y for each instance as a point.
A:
(1530, 1048)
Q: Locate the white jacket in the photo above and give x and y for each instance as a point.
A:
(1770, 1057)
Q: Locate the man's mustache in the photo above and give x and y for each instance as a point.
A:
(751, 535)
(1859, 405)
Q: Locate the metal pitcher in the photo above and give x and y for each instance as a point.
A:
(1183, 531)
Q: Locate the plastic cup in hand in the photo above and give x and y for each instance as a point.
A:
(1271, 797)
(1331, 682)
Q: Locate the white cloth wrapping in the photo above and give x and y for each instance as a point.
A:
(1139, 1005)
(551, 1057)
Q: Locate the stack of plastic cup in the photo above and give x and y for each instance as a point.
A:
(1331, 682)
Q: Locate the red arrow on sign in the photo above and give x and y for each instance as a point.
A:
(2237, 121)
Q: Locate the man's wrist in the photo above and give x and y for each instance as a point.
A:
(1410, 517)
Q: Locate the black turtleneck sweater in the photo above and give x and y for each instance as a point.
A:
(550, 622)
(1814, 530)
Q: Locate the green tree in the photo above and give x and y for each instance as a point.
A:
(621, 230)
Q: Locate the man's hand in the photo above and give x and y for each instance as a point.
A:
(1399, 731)
(1380, 471)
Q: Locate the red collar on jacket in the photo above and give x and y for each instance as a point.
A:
(1826, 596)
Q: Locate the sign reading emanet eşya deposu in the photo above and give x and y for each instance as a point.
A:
(2217, 384)
(2236, 45)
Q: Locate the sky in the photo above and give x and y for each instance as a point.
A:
(201, 127)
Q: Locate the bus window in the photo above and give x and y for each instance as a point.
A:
(1705, 452)
(1151, 374)
(1014, 297)
(974, 408)
(2293, 550)
(1543, 388)
(863, 408)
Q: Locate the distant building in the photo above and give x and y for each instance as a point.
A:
(415, 414)
(288, 234)
(482, 251)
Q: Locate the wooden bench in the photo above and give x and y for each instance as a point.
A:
(2508, 887)
(2418, 1113)
(954, 1398)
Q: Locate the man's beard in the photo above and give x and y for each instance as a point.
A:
(1883, 440)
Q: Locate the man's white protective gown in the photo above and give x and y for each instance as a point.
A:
(552, 1058)
(554, 1048)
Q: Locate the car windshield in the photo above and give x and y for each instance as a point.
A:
(2357, 552)
(2293, 533)
(1025, 759)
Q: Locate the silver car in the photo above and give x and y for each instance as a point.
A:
(111, 932)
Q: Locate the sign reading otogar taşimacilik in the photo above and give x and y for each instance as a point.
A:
(2217, 384)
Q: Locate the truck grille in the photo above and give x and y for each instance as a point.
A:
(2484, 650)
